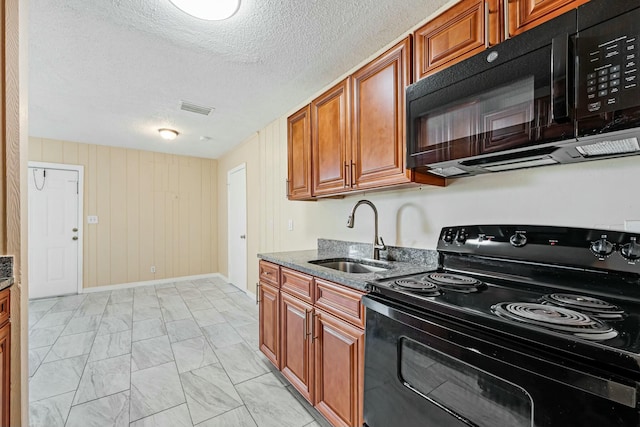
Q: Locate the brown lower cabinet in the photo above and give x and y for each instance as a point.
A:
(321, 347)
(5, 356)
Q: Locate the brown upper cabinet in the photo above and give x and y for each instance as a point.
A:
(378, 143)
(357, 132)
(299, 159)
(330, 140)
(471, 26)
(460, 32)
(526, 14)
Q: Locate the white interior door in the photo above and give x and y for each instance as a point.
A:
(237, 190)
(53, 232)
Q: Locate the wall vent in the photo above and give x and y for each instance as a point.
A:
(195, 108)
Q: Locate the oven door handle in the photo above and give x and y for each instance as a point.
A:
(559, 82)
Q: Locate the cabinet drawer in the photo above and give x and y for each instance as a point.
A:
(341, 301)
(269, 273)
(4, 305)
(297, 284)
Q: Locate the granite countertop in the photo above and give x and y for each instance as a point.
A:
(5, 282)
(402, 261)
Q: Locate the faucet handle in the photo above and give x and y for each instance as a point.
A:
(380, 244)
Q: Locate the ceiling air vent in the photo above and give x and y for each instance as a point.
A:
(195, 108)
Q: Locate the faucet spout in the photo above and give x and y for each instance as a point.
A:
(378, 243)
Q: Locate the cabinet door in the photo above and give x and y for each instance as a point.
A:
(5, 373)
(526, 14)
(299, 155)
(462, 31)
(378, 130)
(269, 298)
(339, 365)
(330, 133)
(296, 355)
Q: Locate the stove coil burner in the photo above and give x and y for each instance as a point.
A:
(417, 286)
(455, 282)
(592, 306)
(555, 318)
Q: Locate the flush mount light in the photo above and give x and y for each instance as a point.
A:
(216, 10)
(169, 134)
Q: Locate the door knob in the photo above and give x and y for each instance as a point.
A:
(74, 238)
(74, 229)
(244, 236)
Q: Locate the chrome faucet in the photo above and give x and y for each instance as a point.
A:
(378, 243)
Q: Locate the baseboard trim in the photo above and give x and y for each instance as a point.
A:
(151, 283)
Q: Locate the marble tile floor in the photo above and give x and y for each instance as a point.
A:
(176, 354)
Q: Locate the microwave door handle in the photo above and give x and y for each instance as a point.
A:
(559, 81)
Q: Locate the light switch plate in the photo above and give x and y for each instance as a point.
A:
(290, 225)
(92, 219)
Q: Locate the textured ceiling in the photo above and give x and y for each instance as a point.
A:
(112, 72)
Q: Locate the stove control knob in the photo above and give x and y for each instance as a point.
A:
(602, 247)
(631, 251)
(518, 240)
(462, 236)
(448, 236)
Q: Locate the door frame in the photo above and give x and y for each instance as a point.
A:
(229, 173)
(80, 170)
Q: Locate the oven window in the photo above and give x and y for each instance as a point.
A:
(467, 392)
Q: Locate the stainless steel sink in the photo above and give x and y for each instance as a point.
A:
(350, 265)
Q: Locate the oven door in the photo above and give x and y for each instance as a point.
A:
(424, 371)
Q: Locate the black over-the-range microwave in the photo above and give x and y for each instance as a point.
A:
(566, 91)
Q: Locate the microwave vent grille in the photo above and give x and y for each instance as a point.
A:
(607, 148)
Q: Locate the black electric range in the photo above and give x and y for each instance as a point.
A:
(558, 308)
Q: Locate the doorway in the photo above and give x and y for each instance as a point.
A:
(237, 223)
(55, 229)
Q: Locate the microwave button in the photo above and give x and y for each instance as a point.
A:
(630, 64)
(591, 76)
(603, 93)
(614, 90)
(591, 89)
(591, 82)
(615, 76)
(591, 96)
(615, 82)
(603, 72)
(603, 79)
(594, 106)
(631, 56)
(631, 47)
(611, 101)
(615, 68)
(631, 86)
(602, 86)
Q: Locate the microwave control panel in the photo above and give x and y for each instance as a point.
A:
(608, 64)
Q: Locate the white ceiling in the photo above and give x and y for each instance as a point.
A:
(112, 72)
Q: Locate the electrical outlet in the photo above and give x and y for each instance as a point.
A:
(632, 225)
(92, 219)
(290, 225)
(153, 268)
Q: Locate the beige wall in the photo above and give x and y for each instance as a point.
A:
(247, 153)
(153, 209)
(13, 206)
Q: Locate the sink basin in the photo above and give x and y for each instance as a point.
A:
(350, 265)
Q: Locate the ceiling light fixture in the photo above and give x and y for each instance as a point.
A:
(208, 10)
(168, 134)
